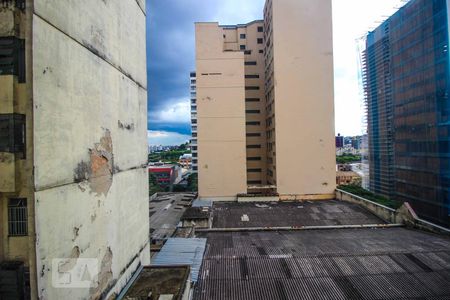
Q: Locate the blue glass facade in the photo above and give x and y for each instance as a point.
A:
(411, 111)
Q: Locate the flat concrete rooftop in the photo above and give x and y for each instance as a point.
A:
(388, 263)
(290, 214)
(165, 213)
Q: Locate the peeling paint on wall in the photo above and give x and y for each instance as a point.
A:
(98, 172)
(105, 276)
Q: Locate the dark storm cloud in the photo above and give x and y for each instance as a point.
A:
(171, 48)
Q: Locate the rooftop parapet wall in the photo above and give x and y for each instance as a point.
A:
(404, 215)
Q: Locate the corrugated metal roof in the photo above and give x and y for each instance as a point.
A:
(393, 263)
(180, 251)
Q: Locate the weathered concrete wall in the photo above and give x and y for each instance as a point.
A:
(90, 129)
(403, 215)
(386, 213)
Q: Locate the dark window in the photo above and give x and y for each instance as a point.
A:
(250, 63)
(195, 168)
(252, 88)
(252, 99)
(20, 4)
(194, 147)
(253, 134)
(254, 158)
(17, 217)
(242, 36)
(194, 134)
(260, 41)
(194, 155)
(253, 146)
(12, 133)
(254, 170)
(242, 47)
(252, 123)
(193, 81)
(252, 111)
(12, 57)
(194, 121)
(261, 51)
(260, 29)
(193, 74)
(251, 76)
(248, 52)
(254, 182)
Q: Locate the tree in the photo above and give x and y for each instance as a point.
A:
(153, 186)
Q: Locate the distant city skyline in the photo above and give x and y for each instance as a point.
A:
(170, 56)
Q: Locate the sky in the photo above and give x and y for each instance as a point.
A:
(171, 57)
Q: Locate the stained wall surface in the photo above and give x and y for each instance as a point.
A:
(90, 129)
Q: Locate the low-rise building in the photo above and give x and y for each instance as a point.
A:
(166, 174)
(185, 161)
(347, 177)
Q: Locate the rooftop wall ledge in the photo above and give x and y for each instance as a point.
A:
(403, 215)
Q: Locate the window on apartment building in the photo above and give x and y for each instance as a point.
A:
(253, 134)
(252, 99)
(12, 134)
(261, 51)
(195, 168)
(254, 158)
(242, 47)
(194, 154)
(253, 146)
(194, 121)
(260, 29)
(194, 147)
(17, 217)
(193, 81)
(250, 63)
(254, 170)
(194, 134)
(252, 76)
(12, 57)
(248, 52)
(253, 123)
(252, 111)
(260, 40)
(252, 88)
(242, 35)
(193, 74)
(254, 182)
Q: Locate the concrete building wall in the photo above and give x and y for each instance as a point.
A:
(85, 102)
(220, 115)
(90, 107)
(304, 98)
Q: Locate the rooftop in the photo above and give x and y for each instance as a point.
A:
(157, 281)
(389, 263)
(165, 213)
(291, 214)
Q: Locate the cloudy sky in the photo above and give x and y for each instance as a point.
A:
(170, 57)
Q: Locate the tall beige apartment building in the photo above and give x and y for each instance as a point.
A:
(265, 104)
(73, 148)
